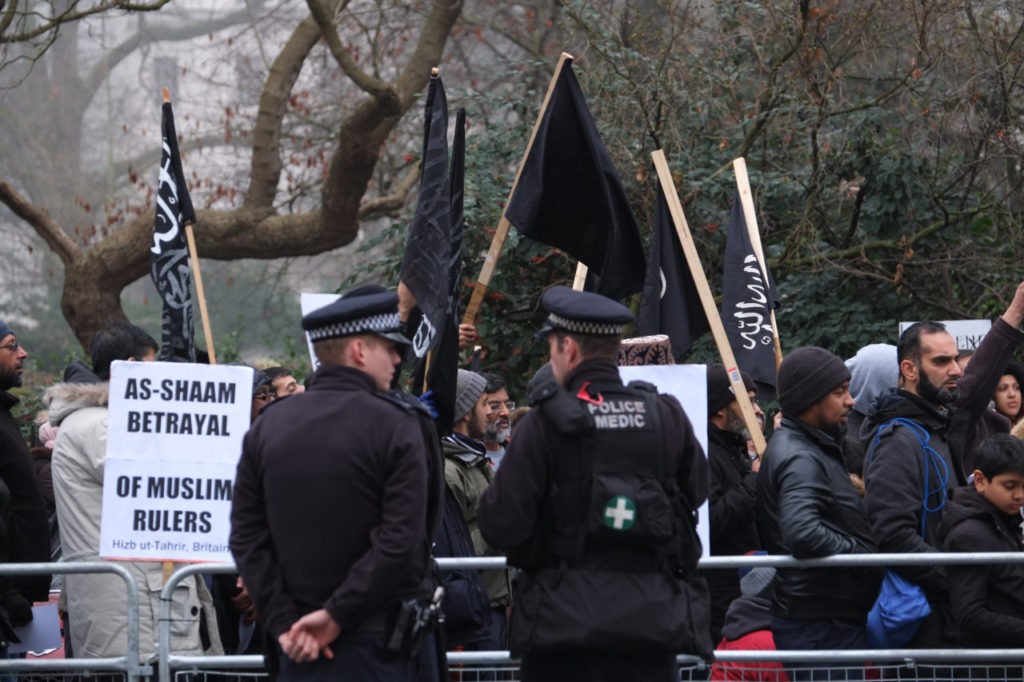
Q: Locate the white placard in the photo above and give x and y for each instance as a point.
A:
(688, 384)
(309, 302)
(968, 333)
(173, 441)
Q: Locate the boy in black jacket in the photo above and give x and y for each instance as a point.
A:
(988, 599)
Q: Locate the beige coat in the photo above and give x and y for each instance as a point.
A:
(97, 603)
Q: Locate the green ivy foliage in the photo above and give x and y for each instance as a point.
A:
(884, 156)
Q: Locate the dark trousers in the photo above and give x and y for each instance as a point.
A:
(723, 588)
(357, 656)
(497, 628)
(819, 635)
(592, 666)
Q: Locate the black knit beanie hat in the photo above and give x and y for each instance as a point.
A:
(720, 389)
(806, 376)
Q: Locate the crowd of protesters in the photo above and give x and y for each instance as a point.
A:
(901, 449)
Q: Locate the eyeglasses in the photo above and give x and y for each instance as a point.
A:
(495, 405)
(13, 346)
(264, 397)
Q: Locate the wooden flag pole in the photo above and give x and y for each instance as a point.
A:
(750, 218)
(581, 276)
(498, 241)
(193, 259)
(707, 299)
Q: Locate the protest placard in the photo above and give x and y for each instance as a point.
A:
(173, 441)
(968, 333)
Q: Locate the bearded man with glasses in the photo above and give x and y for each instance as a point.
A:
(499, 426)
(28, 530)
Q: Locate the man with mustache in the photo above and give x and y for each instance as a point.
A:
(499, 426)
(28, 530)
(808, 507)
(733, 496)
(913, 464)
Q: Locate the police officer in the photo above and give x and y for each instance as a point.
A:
(595, 501)
(336, 500)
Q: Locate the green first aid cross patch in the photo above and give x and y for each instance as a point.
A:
(619, 513)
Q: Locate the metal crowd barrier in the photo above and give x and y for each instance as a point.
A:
(128, 665)
(481, 665)
(167, 661)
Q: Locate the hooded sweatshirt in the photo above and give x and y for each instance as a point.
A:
(874, 370)
(748, 627)
(988, 599)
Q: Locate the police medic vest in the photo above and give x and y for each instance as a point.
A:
(628, 504)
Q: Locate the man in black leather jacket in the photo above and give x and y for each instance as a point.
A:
(808, 507)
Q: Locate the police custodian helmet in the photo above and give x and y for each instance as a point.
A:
(582, 312)
(368, 309)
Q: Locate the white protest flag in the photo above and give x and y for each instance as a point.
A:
(174, 436)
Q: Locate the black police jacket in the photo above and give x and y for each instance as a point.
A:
(525, 501)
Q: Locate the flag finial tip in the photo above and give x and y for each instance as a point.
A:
(167, 95)
(567, 56)
(435, 72)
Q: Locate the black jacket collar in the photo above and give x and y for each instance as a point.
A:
(592, 370)
(339, 377)
(7, 400)
(905, 404)
(728, 440)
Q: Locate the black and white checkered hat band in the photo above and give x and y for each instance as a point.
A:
(585, 326)
(384, 323)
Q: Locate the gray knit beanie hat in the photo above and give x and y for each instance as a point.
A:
(806, 376)
(468, 389)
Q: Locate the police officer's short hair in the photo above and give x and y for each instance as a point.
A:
(602, 347)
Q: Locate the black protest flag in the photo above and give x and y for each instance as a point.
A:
(670, 303)
(169, 265)
(570, 197)
(427, 251)
(747, 302)
(442, 375)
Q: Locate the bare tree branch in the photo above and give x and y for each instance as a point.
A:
(266, 145)
(165, 32)
(365, 130)
(45, 226)
(372, 86)
(71, 14)
(379, 206)
(8, 17)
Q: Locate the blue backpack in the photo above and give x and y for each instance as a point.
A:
(902, 606)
